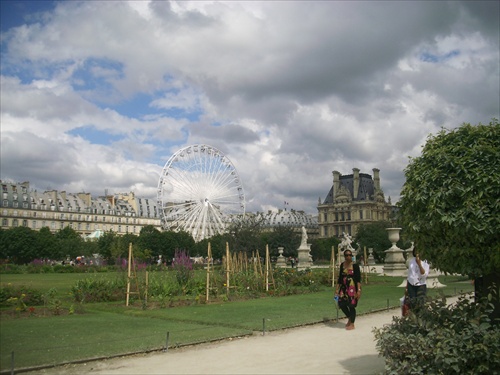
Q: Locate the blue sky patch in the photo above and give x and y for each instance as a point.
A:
(96, 74)
(95, 136)
(433, 58)
(140, 107)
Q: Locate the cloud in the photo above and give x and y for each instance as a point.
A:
(98, 95)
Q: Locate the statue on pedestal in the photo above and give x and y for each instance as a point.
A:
(346, 242)
(304, 252)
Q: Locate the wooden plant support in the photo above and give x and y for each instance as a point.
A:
(132, 274)
(209, 256)
(228, 268)
(365, 265)
(269, 271)
(332, 266)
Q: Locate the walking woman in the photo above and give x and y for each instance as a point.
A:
(349, 288)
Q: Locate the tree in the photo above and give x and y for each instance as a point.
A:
(451, 202)
(69, 244)
(282, 236)
(246, 235)
(47, 243)
(150, 239)
(321, 248)
(105, 244)
(20, 245)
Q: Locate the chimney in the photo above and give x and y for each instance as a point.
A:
(376, 178)
(355, 172)
(336, 183)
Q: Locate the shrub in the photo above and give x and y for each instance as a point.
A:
(10, 268)
(30, 296)
(98, 290)
(442, 339)
(183, 267)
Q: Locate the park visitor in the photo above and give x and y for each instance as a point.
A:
(416, 287)
(348, 289)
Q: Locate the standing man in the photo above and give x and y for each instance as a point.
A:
(416, 285)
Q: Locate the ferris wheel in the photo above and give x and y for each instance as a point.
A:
(198, 192)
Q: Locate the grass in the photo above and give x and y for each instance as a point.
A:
(109, 329)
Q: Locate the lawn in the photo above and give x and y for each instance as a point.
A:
(110, 329)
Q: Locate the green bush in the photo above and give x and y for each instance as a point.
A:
(10, 268)
(442, 339)
(30, 296)
(98, 290)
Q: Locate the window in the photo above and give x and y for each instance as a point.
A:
(33, 224)
(4, 222)
(361, 214)
(5, 203)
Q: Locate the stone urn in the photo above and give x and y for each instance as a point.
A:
(393, 234)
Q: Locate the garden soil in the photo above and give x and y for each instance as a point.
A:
(322, 348)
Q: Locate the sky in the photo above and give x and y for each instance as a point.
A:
(96, 96)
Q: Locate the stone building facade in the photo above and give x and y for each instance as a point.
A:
(353, 200)
(120, 213)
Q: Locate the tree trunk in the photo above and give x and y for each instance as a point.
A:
(485, 285)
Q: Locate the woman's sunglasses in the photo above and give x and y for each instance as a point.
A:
(348, 255)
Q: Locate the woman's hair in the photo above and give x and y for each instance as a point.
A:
(414, 252)
(347, 251)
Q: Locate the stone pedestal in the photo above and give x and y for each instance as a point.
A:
(281, 261)
(304, 257)
(371, 259)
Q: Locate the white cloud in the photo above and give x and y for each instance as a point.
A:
(97, 95)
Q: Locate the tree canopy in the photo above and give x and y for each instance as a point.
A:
(450, 201)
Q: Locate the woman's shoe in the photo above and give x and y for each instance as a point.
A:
(350, 327)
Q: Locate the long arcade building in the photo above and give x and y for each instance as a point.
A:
(120, 213)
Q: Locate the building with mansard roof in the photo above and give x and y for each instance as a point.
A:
(120, 213)
(353, 200)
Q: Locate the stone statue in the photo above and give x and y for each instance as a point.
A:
(304, 237)
(346, 242)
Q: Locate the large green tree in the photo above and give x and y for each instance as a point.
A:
(69, 244)
(450, 202)
(281, 236)
(19, 245)
(321, 248)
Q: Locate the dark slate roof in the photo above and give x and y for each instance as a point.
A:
(365, 190)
